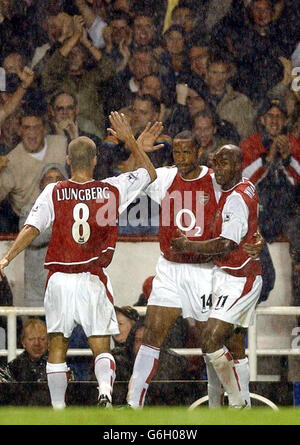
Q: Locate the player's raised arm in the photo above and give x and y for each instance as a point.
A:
(121, 129)
(24, 238)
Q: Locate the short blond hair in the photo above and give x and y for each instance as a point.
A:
(33, 323)
(82, 151)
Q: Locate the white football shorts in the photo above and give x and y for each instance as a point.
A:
(185, 286)
(79, 298)
(235, 298)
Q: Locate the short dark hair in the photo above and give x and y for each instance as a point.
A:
(206, 113)
(186, 134)
(119, 15)
(128, 312)
(58, 93)
(216, 56)
(155, 103)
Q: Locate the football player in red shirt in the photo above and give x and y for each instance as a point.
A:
(237, 277)
(188, 195)
(83, 212)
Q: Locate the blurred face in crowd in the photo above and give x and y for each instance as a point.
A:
(183, 17)
(32, 133)
(198, 59)
(204, 130)
(6, 8)
(10, 131)
(125, 325)
(262, 12)
(143, 31)
(142, 113)
(64, 108)
(76, 60)
(13, 63)
(35, 341)
(122, 5)
(273, 121)
(217, 77)
(120, 30)
(194, 102)
(151, 85)
(141, 65)
(175, 42)
(51, 176)
(138, 339)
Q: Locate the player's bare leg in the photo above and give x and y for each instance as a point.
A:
(57, 369)
(215, 336)
(105, 368)
(215, 388)
(159, 321)
(236, 346)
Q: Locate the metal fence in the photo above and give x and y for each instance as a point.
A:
(11, 312)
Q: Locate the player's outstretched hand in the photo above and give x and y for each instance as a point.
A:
(120, 127)
(148, 137)
(179, 244)
(3, 263)
(254, 249)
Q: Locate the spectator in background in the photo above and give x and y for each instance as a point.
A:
(144, 33)
(63, 119)
(67, 69)
(205, 128)
(189, 103)
(30, 365)
(16, 85)
(124, 86)
(35, 150)
(144, 109)
(127, 317)
(174, 55)
(58, 28)
(118, 36)
(35, 276)
(271, 160)
(230, 105)
(9, 135)
(153, 85)
(94, 22)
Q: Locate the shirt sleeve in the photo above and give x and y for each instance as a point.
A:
(130, 185)
(41, 215)
(235, 218)
(158, 188)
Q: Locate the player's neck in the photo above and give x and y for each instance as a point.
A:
(193, 174)
(81, 176)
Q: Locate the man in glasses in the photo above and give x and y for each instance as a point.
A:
(63, 112)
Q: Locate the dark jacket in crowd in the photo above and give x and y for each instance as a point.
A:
(23, 369)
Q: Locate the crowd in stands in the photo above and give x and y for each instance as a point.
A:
(226, 70)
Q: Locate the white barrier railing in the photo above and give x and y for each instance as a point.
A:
(11, 312)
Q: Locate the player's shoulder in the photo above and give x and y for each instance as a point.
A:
(245, 189)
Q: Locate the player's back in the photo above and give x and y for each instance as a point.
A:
(84, 230)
